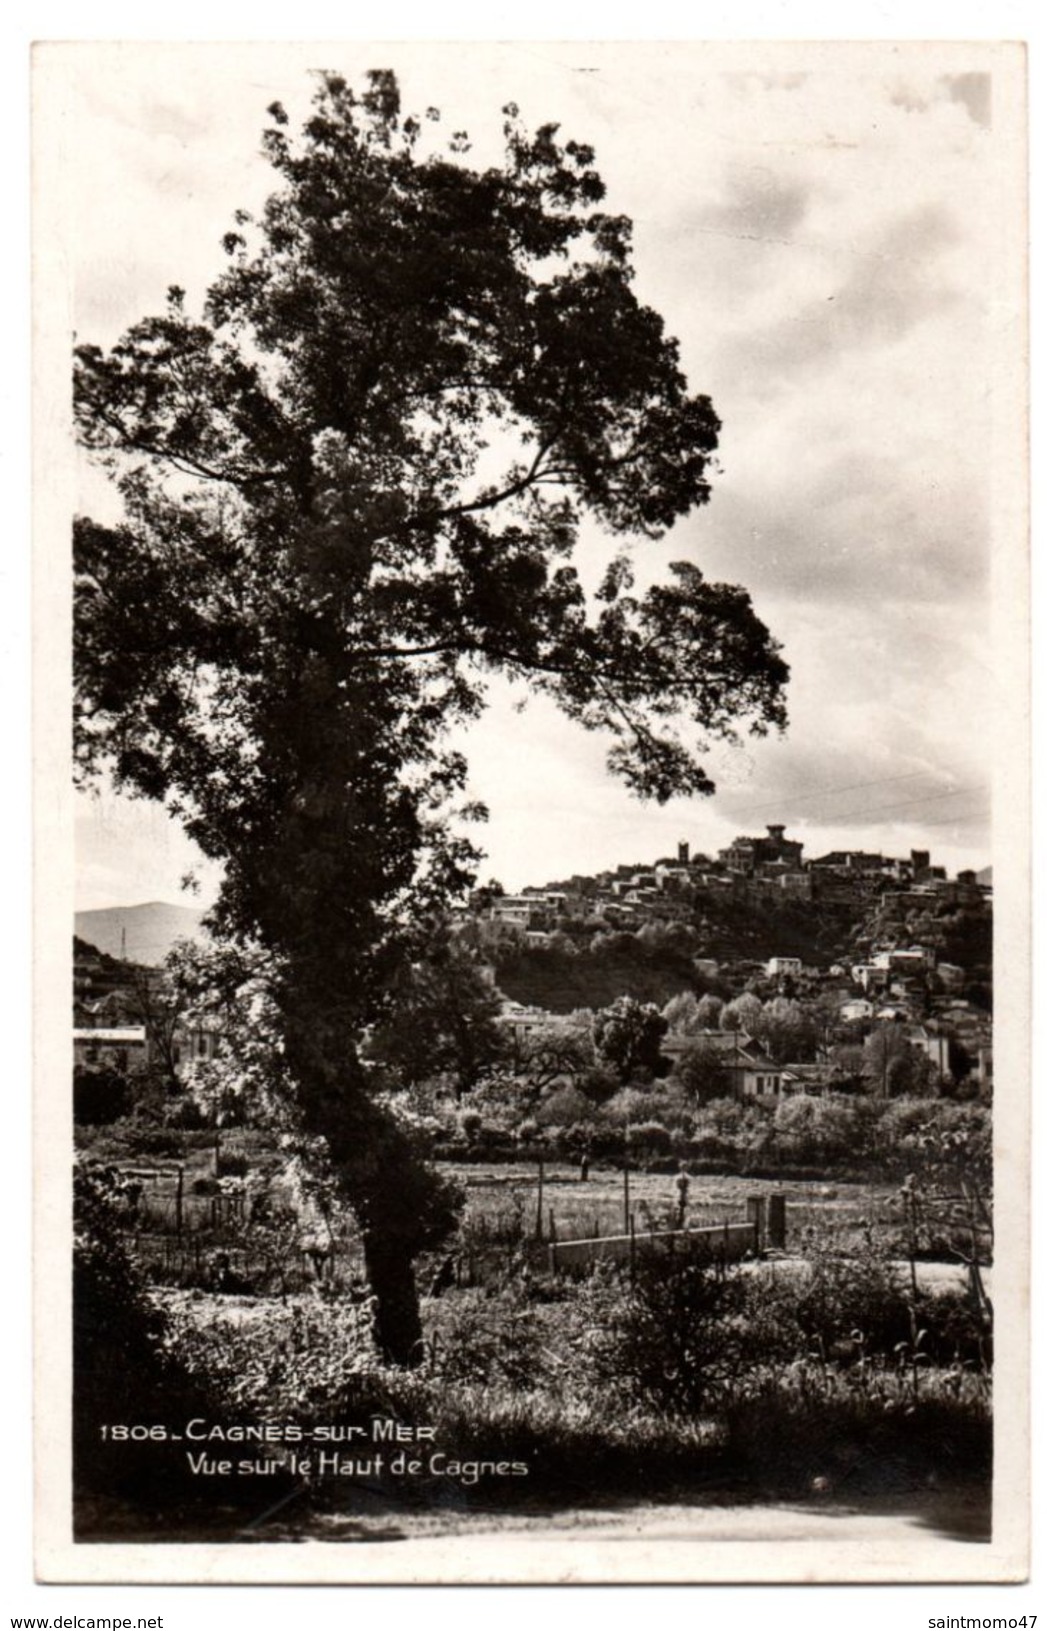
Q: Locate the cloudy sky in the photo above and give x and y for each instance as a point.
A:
(831, 232)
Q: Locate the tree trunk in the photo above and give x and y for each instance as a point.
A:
(397, 1322)
(402, 1205)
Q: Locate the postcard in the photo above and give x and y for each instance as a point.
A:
(532, 658)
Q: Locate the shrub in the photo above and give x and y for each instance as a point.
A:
(566, 1107)
(183, 1112)
(630, 1104)
(702, 1072)
(649, 1138)
(294, 1360)
(850, 1308)
(163, 1141)
(488, 1338)
(470, 1124)
(598, 1084)
(123, 1365)
(816, 1129)
(100, 1097)
(807, 1425)
(662, 1340)
(722, 1118)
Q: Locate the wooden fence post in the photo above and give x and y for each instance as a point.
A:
(632, 1247)
(541, 1186)
(776, 1222)
(179, 1193)
(754, 1217)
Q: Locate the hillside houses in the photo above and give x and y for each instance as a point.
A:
(123, 1020)
(750, 1070)
(123, 1048)
(765, 855)
(770, 865)
(866, 941)
(831, 951)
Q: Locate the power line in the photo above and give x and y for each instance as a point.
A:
(826, 792)
(964, 815)
(905, 804)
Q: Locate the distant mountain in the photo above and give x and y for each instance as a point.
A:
(142, 934)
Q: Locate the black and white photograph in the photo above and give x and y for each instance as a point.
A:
(533, 972)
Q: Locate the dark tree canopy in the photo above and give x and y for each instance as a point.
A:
(352, 488)
(628, 1036)
(441, 1017)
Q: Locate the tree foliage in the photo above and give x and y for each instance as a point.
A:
(787, 1029)
(352, 487)
(709, 1011)
(703, 1072)
(894, 1066)
(561, 1048)
(440, 1017)
(627, 1037)
(743, 1013)
(681, 1014)
(160, 1000)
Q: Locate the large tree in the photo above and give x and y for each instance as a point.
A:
(351, 489)
(441, 1018)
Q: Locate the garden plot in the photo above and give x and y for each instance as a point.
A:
(503, 1202)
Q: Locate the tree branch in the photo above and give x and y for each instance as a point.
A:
(493, 499)
(182, 461)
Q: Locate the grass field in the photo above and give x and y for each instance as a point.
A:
(496, 1197)
(502, 1201)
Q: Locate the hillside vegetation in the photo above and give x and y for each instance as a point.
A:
(583, 969)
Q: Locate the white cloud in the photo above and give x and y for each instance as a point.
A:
(820, 235)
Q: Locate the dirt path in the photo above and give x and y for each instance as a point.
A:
(931, 1534)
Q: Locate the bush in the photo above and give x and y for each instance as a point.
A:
(649, 1138)
(164, 1141)
(817, 1129)
(488, 1338)
(663, 1103)
(855, 1308)
(470, 1125)
(665, 1340)
(566, 1107)
(294, 1361)
(720, 1118)
(100, 1097)
(808, 1426)
(124, 1369)
(184, 1113)
(598, 1084)
(630, 1104)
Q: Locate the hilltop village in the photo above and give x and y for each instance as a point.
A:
(758, 974)
(819, 955)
